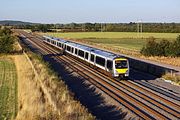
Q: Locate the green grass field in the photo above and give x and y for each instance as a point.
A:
(125, 40)
(8, 89)
(117, 35)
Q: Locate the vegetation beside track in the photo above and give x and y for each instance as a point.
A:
(33, 100)
(8, 89)
(6, 41)
(56, 92)
(173, 78)
(162, 48)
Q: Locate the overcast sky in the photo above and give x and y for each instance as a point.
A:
(67, 11)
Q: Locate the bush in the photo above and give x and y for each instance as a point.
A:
(151, 47)
(163, 48)
(177, 46)
(6, 41)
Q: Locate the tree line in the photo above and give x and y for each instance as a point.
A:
(104, 27)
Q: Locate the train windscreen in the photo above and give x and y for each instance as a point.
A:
(119, 64)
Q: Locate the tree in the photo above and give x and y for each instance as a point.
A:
(6, 41)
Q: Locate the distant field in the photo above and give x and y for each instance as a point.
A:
(8, 89)
(91, 35)
(125, 40)
(133, 44)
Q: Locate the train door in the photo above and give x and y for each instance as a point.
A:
(109, 66)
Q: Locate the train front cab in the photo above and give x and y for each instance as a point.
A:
(121, 67)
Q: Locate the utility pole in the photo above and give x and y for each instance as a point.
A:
(139, 28)
(101, 27)
(83, 27)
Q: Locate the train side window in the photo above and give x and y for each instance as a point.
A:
(59, 45)
(92, 58)
(100, 61)
(72, 49)
(109, 64)
(68, 48)
(81, 53)
(86, 55)
(76, 51)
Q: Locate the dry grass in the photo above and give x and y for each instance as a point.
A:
(173, 78)
(175, 61)
(36, 101)
(67, 107)
(31, 101)
(17, 47)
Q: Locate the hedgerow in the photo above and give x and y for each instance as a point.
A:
(162, 48)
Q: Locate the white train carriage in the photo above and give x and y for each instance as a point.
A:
(111, 63)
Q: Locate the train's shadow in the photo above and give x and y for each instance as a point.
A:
(138, 75)
(85, 93)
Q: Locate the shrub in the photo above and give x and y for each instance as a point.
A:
(151, 47)
(6, 40)
(177, 46)
(6, 44)
(163, 48)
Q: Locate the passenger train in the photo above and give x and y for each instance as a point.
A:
(112, 64)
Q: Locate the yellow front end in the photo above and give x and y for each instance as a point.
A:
(122, 67)
(122, 71)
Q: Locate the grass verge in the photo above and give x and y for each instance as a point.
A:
(49, 100)
(175, 79)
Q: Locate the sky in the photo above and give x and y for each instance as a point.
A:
(81, 11)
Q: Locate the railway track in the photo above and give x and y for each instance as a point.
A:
(159, 90)
(118, 90)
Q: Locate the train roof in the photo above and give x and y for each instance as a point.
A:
(57, 39)
(89, 49)
(93, 50)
